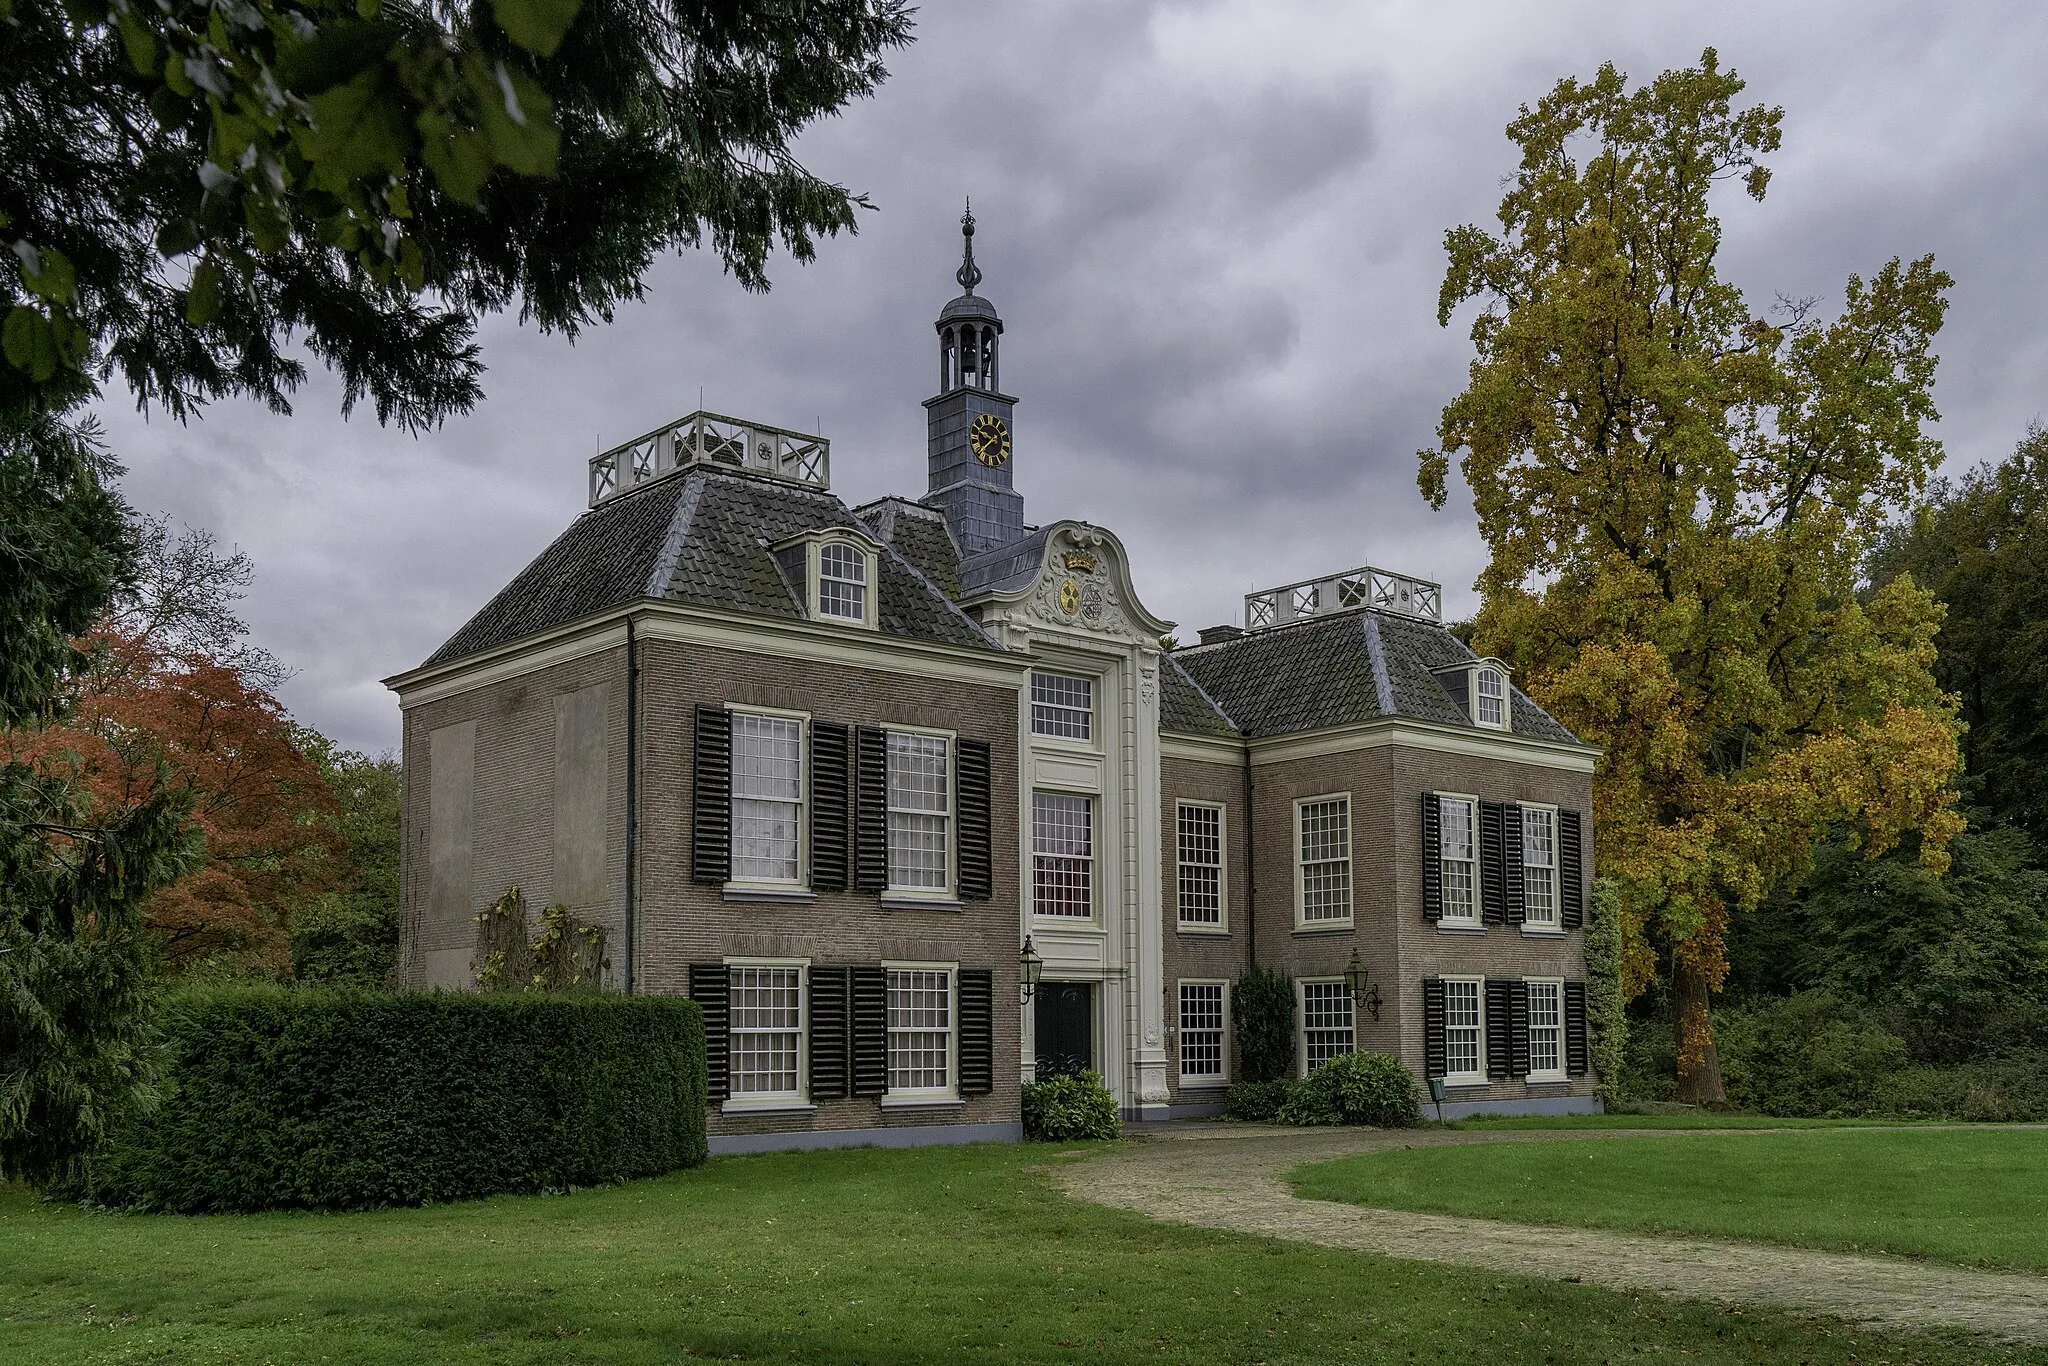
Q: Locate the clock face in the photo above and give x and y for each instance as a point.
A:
(988, 436)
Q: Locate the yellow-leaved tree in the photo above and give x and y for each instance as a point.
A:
(1677, 495)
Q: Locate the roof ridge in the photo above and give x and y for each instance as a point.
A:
(1203, 693)
(662, 576)
(1382, 678)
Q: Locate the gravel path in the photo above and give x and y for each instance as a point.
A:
(1232, 1177)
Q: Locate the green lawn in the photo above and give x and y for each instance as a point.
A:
(1974, 1196)
(866, 1256)
(1496, 1123)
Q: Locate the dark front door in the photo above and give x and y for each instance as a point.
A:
(1066, 1028)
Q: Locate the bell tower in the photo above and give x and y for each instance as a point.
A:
(969, 419)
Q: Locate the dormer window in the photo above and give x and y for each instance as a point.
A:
(842, 582)
(834, 572)
(1489, 692)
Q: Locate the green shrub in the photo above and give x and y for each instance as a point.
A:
(1068, 1108)
(1259, 1101)
(1356, 1088)
(1806, 1054)
(1606, 1002)
(1262, 1011)
(337, 1098)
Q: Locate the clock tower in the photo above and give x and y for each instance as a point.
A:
(969, 419)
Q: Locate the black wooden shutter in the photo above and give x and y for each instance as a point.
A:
(1518, 1029)
(1493, 878)
(708, 990)
(1436, 1058)
(828, 1034)
(1570, 873)
(870, 810)
(1511, 862)
(711, 797)
(1499, 1056)
(971, 770)
(1576, 1061)
(870, 1031)
(977, 1032)
(828, 806)
(1432, 861)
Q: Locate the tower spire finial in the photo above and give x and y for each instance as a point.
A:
(969, 274)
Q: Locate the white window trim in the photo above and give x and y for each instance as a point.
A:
(1478, 892)
(814, 560)
(950, 1094)
(948, 894)
(802, 880)
(1184, 1081)
(1507, 699)
(1554, 925)
(1350, 864)
(1096, 690)
(1478, 1078)
(1559, 1073)
(1095, 801)
(1222, 923)
(788, 1100)
(1301, 1068)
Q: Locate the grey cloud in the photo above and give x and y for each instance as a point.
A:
(1214, 231)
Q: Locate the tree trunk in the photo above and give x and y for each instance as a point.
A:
(1699, 1065)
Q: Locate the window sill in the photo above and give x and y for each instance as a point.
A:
(1460, 928)
(1066, 922)
(1467, 1084)
(765, 1107)
(922, 1102)
(1204, 1083)
(1206, 931)
(1332, 927)
(793, 896)
(903, 901)
(1544, 932)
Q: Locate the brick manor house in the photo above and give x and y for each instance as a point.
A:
(840, 773)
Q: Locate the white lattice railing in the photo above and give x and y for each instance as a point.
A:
(1365, 587)
(709, 439)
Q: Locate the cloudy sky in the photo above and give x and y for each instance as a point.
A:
(1214, 233)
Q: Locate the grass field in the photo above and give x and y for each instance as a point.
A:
(1972, 1196)
(1497, 1123)
(864, 1256)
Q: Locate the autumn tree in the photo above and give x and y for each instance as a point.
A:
(1677, 495)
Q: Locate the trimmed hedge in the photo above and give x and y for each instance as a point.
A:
(333, 1098)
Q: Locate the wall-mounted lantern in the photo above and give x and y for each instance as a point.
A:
(1029, 966)
(1363, 991)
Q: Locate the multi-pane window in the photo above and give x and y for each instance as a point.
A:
(1062, 706)
(766, 1032)
(767, 797)
(1201, 1031)
(1462, 1028)
(1201, 864)
(1457, 851)
(1326, 1027)
(1539, 865)
(1546, 1029)
(1325, 844)
(842, 582)
(920, 1029)
(1493, 697)
(1062, 855)
(920, 805)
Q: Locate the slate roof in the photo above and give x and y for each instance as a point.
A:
(1184, 709)
(1006, 568)
(1339, 670)
(920, 535)
(700, 537)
